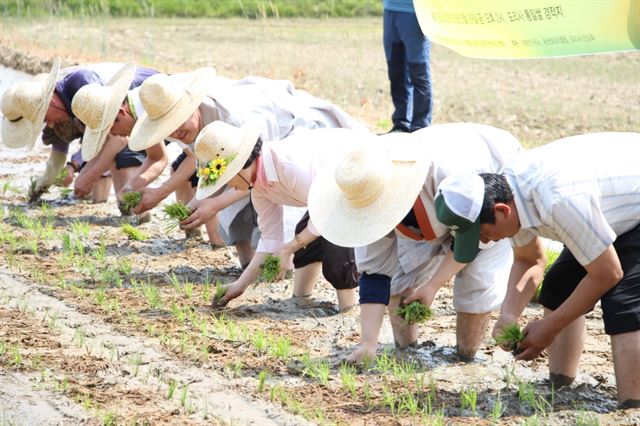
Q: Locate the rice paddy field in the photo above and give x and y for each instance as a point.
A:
(97, 327)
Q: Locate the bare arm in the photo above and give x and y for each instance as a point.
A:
(151, 168)
(427, 291)
(602, 274)
(526, 273)
(204, 210)
(98, 165)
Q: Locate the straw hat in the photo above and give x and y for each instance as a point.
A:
(369, 192)
(222, 150)
(168, 102)
(24, 106)
(97, 107)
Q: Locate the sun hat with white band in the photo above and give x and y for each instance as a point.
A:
(222, 150)
(24, 106)
(97, 107)
(458, 203)
(168, 101)
(369, 192)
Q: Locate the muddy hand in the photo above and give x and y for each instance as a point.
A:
(150, 197)
(537, 336)
(233, 290)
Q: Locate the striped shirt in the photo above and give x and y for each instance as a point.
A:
(583, 191)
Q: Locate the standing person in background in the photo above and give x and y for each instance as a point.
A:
(406, 49)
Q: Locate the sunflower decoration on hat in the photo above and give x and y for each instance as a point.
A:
(24, 106)
(222, 150)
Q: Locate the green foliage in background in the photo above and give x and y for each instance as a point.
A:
(252, 9)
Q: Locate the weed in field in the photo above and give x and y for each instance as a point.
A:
(261, 379)
(414, 312)
(270, 268)
(132, 232)
(174, 213)
(511, 335)
(469, 399)
(129, 201)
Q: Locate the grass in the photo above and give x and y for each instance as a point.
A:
(511, 335)
(414, 312)
(270, 269)
(174, 213)
(132, 232)
(130, 200)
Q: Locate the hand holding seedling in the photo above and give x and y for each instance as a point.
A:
(202, 211)
(149, 198)
(414, 312)
(174, 213)
(509, 338)
(423, 294)
(231, 291)
(82, 186)
(503, 322)
(538, 335)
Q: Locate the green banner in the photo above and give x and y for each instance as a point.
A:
(512, 29)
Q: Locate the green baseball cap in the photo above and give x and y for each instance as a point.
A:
(458, 206)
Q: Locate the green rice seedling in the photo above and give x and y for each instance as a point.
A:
(7, 186)
(130, 200)
(498, 409)
(59, 179)
(206, 292)
(183, 396)
(259, 341)
(403, 370)
(262, 377)
(80, 229)
(527, 394)
(469, 399)
(585, 418)
(109, 418)
(15, 357)
(175, 282)
(318, 370)
(542, 406)
(221, 290)
(132, 232)
(511, 335)
(384, 362)
(135, 360)
(414, 312)
(187, 289)
(152, 294)
(66, 192)
(280, 347)
(270, 269)
(348, 378)
(236, 367)
(389, 399)
(79, 337)
(409, 403)
(174, 213)
(532, 421)
(552, 256)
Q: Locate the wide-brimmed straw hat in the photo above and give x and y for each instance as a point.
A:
(24, 106)
(369, 192)
(168, 102)
(97, 107)
(222, 150)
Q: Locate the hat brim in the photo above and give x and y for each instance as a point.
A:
(148, 132)
(24, 133)
(340, 222)
(19, 134)
(250, 134)
(467, 244)
(93, 139)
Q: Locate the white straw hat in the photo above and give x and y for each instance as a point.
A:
(168, 102)
(222, 150)
(369, 192)
(97, 107)
(24, 106)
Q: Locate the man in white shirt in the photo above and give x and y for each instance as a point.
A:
(583, 191)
